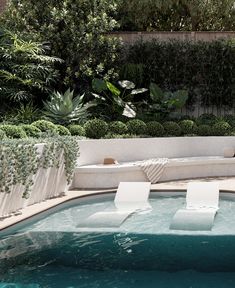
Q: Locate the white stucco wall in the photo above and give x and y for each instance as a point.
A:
(123, 150)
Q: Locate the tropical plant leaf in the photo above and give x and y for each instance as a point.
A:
(99, 85)
(125, 84)
(113, 89)
(156, 92)
(138, 91)
(129, 110)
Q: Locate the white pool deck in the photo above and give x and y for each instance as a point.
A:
(226, 184)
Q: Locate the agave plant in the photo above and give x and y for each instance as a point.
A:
(65, 108)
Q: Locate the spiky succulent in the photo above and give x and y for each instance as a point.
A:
(65, 108)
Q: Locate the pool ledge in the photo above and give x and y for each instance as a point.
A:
(226, 184)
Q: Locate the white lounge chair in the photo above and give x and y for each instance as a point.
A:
(202, 204)
(130, 198)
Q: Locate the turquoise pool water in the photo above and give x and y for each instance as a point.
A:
(55, 251)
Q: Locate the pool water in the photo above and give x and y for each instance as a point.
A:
(56, 251)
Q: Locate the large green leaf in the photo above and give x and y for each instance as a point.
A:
(99, 85)
(113, 89)
(156, 92)
(180, 97)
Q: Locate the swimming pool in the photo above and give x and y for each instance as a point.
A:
(55, 251)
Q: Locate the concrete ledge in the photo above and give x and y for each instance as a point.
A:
(109, 176)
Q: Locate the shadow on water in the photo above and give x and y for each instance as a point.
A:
(100, 251)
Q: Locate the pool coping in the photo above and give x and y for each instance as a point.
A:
(227, 185)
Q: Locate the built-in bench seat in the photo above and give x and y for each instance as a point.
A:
(109, 176)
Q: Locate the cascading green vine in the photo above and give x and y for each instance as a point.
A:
(20, 160)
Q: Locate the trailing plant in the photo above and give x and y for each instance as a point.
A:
(2, 135)
(31, 130)
(13, 131)
(172, 128)
(65, 108)
(155, 129)
(95, 128)
(63, 131)
(46, 127)
(26, 71)
(136, 127)
(20, 160)
(76, 130)
(115, 102)
(118, 127)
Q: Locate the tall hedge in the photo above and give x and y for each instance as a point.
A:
(75, 30)
(206, 69)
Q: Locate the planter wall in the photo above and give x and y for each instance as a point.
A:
(48, 183)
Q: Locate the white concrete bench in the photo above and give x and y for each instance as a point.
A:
(109, 176)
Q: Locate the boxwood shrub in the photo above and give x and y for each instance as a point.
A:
(96, 128)
(63, 131)
(46, 127)
(221, 128)
(118, 127)
(76, 130)
(31, 131)
(155, 129)
(172, 128)
(13, 131)
(204, 130)
(136, 127)
(188, 127)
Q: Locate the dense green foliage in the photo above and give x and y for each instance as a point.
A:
(118, 127)
(188, 127)
(204, 130)
(74, 29)
(96, 128)
(31, 130)
(155, 129)
(137, 127)
(205, 69)
(63, 131)
(172, 128)
(221, 128)
(46, 127)
(25, 70)
(114, 102)
(177, 15)
(13, 131)
(76, 130)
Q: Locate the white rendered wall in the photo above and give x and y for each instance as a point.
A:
(124, 150)
(48, 183)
